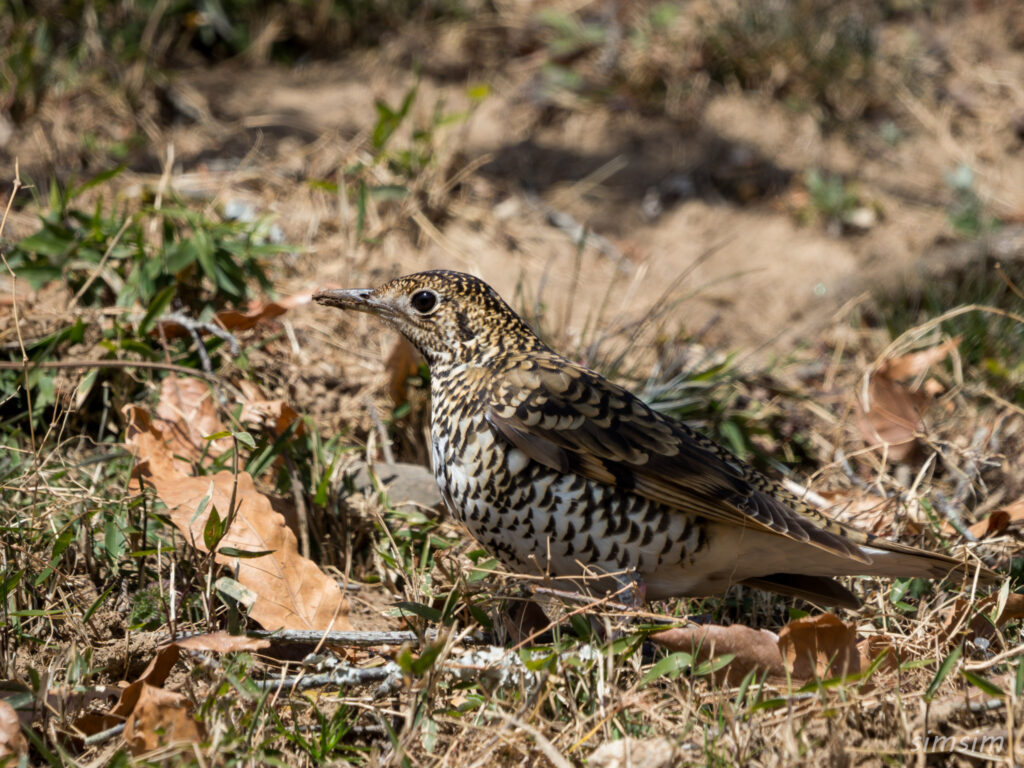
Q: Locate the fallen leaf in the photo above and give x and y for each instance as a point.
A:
(259, 412)
(239, 320)
(293, 593)
(186, 414)
(819, 646)
(997, 521)
(966, 621)
(222, 642)
(12, 740)
(870, 512)
(160, 718)
(752, 649)
(870, 648)
(888, 414)
(157, 672)
(913, 365)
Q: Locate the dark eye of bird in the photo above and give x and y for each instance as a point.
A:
(424, 301)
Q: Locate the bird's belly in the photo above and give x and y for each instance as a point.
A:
(538, 520)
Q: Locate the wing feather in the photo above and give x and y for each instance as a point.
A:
(621, 441)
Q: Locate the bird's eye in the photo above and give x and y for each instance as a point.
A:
(424, 301)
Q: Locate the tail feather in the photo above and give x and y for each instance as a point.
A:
(815, 589)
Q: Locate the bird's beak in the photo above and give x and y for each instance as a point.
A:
(359, 299)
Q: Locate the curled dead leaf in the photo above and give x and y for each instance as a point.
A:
(888, 414)
(819, 646)
(160, 718)
(186, 414)
(752, 649)
(12, 740)
(222, 642)
(293, 593)
(816, 646)
(966, 621)
(917, 363)
(870, 512)
(997, 521)
(239, 320)
(261, 413)
(870, 648)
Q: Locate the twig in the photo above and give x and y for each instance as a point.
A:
(362, 639)
(28, 365)
(103, 261)
(99, 738)
(341, 676)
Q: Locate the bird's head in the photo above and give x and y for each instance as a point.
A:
(450, 317)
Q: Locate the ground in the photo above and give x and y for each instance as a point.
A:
(731, 236)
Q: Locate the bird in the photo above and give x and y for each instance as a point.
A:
(561, 473)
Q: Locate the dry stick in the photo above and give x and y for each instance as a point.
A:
(28, 365)
(103, 261)
(1009, 283)
(356, 638)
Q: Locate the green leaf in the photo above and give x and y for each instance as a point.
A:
(387, 192)
(98, 602)
(425, 660)
(670, 666)
(213, 531)
(944, 670)
(713, 665)
(38, 275)
(245, 439)
(418, 609)
(244, 554)
(96, 180)
(983, 684)
(388, 119)
(157, 307)
(61, 544)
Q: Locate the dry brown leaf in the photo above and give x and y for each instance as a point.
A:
(870, 648)
(966, 621)
(1013, 610)
(913, 365)
(160, 718)
(890, 417)
(222, 642)
(12, 740)
(819, 646)
(293, 593)
(259, 412)
(186, 414)
(753, 649)
(997, 521)
(239, 320)
(868, 512)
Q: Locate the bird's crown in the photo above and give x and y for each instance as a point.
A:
(450, 317)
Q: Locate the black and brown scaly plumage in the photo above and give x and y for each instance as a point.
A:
(557, 470)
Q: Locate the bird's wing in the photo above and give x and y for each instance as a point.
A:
(572, 420)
